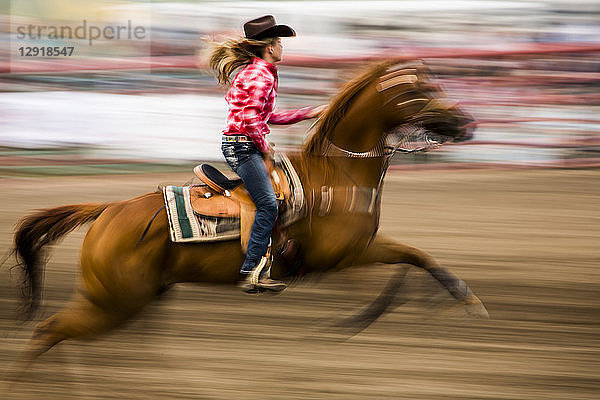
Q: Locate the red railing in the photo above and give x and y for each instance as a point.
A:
(31, 65)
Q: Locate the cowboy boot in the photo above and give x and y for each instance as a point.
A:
(259, 279)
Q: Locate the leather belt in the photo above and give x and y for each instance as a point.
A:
(236, 138)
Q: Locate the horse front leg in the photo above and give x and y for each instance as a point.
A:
(356, 323)
(388, 251)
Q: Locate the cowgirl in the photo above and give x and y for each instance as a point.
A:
(251, 99)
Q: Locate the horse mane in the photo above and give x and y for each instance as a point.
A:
(339, 105)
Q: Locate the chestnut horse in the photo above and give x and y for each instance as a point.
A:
(348, 152)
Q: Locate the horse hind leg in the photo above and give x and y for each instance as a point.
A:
(80, 319)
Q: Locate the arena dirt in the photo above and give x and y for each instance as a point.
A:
(526, 241)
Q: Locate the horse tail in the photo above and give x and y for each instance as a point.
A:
(38, 230)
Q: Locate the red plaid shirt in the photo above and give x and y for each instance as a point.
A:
(251, 100)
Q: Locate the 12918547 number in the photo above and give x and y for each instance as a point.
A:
(46, 51)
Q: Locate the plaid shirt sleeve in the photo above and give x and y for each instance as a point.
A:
(251, 96)
(289, 116)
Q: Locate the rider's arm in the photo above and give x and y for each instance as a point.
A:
(289, 116)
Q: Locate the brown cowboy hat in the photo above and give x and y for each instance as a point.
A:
(265, 27)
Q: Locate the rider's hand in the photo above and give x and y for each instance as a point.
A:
(317, 111)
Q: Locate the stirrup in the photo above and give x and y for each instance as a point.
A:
(215, 178)
(259, 280)
(262, 268)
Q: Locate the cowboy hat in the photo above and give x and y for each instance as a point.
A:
(265, 27)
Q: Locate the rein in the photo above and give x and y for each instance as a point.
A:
(406, 139)
(377, 151)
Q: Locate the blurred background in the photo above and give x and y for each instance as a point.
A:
(529, 71)
(524, 238)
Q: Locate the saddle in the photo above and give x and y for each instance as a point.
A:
(228, 198)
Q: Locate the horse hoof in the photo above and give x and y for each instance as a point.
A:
(475, 308)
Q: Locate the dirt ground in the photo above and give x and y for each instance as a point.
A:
(527, 242)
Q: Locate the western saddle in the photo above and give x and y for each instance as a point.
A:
(228, 198)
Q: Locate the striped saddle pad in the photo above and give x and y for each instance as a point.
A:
(187, 226)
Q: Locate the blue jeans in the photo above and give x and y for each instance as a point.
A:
(246, 160)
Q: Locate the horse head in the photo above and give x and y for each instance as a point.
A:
(388, 98)
(410, 96)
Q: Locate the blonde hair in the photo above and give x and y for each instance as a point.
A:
(228, 56)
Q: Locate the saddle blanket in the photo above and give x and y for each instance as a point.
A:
(187, 226)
